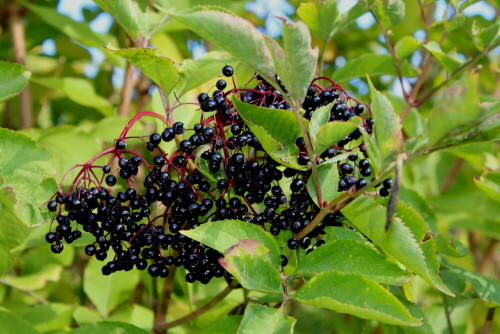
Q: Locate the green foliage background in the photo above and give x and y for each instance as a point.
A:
(63, 118)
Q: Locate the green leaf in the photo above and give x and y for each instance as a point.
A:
(323, 19)
(334, 233)
(356, 295)
(247, 261)
(367, 64)
(10, 323)
(160, 69)
(449, 62)
(135, 16)
(13, 78)
(320, 17)
(389, 12)
(489, 183)
(487, 288)
(331, 133)
(329, 178)
(457, 107)
(223, 234)
(78, 31)
(195, 72)
(82, 91)
(487, 130)
(226, 325)
(388, 131)
(406, 240)
(276, 130)
(50, 317)
(203, 165)
(413, 199)
(232, 34)
(259, 319)
(12, 234)
(373, 152)
(406, 46)
(23, 168)
(319, 118)
(298, 55)
(450, 247)
(61, 142)
(109, 327)
(350, 256)
(106, 292)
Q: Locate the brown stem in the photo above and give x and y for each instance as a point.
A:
(489, 255)
(19, 46)
(452, 175)
(196, 313)
(412, 98)
(127, 90)
(161, 314)
(489, 321)
(142, 87)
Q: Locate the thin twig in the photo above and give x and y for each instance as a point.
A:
(452, 175)
(196, 313)
(168, 287)
(447, 314)
(489, 255)
(126, 92)
(489, 321)
(19, 47)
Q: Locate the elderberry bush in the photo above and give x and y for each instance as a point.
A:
(136, 206)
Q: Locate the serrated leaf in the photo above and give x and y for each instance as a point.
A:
(331, 133)
(232, 34)
(356, 295)
(489, 183)
(406, 46)
(457, 107)
(109, 327)
(298, 55)
(247, 261)
(388, 129)
(259, 319)
(160, 69)
(13, 78)
(413, 199)
(23, 169)
(323, 18)
(389, 12)
(350, 256)
(449, 62)
(222, 234)
(487, 288)
(320, 17)
(406, 240)
(106, 292)
(334, 233)
(487, 130)
(195, 72)
(135, 16)
(276, 130)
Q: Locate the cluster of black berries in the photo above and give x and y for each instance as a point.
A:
(137, 208)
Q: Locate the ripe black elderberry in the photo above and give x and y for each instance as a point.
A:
(227, 70)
